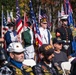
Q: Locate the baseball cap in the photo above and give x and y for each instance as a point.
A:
(64, 17)
(15, 47)
(57, 40)
(46, 49)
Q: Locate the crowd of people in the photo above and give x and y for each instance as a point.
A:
(52, 52)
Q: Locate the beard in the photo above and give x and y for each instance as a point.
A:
(48, 61)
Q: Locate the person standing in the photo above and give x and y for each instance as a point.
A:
(46, 37)
(16, 67)
(45, 66)
(65, 33)
(11, 35)
(27, 38)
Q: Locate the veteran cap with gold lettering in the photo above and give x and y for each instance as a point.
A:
(43, 20)
(46, 49)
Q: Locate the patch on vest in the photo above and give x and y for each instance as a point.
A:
(29, 69)
(18, 72)
(46, 72)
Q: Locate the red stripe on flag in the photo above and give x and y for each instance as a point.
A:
(19, 27)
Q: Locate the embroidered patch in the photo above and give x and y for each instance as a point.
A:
(48, 47)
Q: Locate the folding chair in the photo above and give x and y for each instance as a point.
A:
(71, 59)
(66, 67)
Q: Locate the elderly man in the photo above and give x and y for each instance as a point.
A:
(16, 52)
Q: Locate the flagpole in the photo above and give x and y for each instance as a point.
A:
(2, 20)
(1, 39)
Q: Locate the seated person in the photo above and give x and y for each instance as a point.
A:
(45, 66)
(59, 56)
(16, 67)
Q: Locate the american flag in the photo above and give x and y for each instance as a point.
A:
(4, 25)
(18, 19)
(69, 11)
(38, 40)
(67, 7)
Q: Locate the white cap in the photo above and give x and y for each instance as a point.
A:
(64, 17)
(15, 47)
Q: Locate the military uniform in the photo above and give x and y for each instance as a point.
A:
(65, 33)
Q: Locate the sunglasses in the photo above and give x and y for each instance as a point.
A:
(64, 20)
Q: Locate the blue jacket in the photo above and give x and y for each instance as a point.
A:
(7, 37)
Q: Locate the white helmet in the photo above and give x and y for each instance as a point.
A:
(64, 17)
(15, 47)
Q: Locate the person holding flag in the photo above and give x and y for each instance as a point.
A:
(11, 35)
(27, 38)
(46, 37)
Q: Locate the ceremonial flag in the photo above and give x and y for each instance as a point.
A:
(4, 25)
(68, 10)
(67, 7)
(38, 40)
(18, 20)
